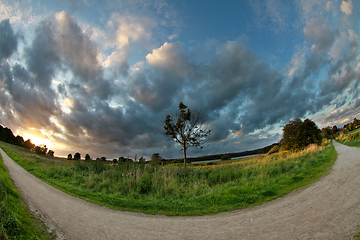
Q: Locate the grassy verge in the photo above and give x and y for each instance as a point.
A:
(16, 222)
(351, 139)
(173, 190)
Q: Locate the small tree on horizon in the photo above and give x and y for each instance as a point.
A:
(77, 156)
(50, 153)
(186, 128)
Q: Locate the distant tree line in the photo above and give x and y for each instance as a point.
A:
(6, 135)
(298, 134)
(332, 132)
(77, 156)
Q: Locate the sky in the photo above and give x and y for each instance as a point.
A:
(98, 77)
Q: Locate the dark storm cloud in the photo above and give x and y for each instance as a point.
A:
(79, 52)
(29, 96)
(41, 57)
(63, 77)
(33, 107)
(80, 55)
(8, 40)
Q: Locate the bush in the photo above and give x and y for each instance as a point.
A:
(51, 153)
(41, 149)
(298, 134)
(156, 159)
(225, 157)
(69, 157)
(144, 183)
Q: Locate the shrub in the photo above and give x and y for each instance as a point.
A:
(28, 145)
(41, 149)
(225, 157)
(51, 153)
(156, 159)
(144, 183)
(69, 157)
(298, 134)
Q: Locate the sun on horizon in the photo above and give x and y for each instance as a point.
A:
(38, 140)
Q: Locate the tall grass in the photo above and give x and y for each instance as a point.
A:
(351, 138)
(16, 222)
(174, 190)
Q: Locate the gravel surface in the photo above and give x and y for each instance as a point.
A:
(326, 209)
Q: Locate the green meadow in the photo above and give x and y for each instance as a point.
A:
(198, 189)
(351, 138)
(16, 222)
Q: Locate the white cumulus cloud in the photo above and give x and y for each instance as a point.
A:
(346, 7)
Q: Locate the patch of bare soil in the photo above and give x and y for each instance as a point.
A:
(326, 209)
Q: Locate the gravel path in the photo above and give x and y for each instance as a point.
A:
(326, 209)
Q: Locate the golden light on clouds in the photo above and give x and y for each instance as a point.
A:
(37, 140)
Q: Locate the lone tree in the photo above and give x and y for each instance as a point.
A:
(186, 128)
(77, 156)
(87, 157)
(298, 134)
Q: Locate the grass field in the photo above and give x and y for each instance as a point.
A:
(351, 139)
(173, 190)
(16, 222)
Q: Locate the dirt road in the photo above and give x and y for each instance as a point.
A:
(326, 209)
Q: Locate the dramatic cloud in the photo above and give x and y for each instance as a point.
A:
(8, 40)
(102, 87)
(346, 7)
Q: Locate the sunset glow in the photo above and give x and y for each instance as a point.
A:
(37, 140)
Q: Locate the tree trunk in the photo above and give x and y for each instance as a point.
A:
(184, 154)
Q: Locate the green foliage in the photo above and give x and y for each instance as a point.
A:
(350, 138)
(156, 159)
(173, 190)
(329, 132)
(298, 134)
(16, 222)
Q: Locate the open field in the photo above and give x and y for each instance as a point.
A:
(16, 222)
(173, 190)
(325, 209)
(351, 139)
